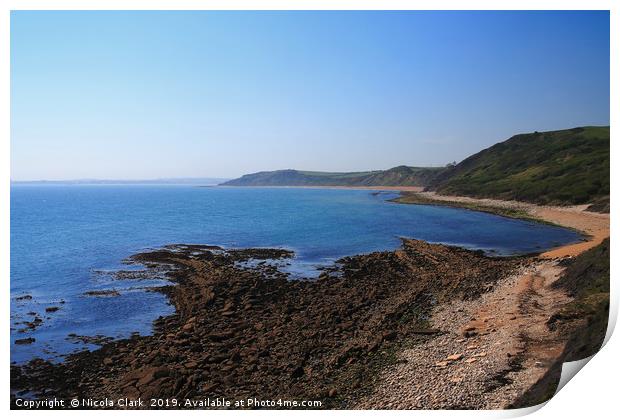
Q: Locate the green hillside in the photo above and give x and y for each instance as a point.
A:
(398, 176)
(555, 167)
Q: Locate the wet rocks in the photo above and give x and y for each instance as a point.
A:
(31, 325)
(102, 293)
(87, 339)
(389, 335)
(245, 330)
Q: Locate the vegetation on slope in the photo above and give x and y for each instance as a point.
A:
(563, 167)
(398, 176)
(587, 280)
(583, 321)
(555, 167)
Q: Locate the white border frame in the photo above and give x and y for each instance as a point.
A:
(592, 394)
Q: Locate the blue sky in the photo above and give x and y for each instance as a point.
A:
(135, 95)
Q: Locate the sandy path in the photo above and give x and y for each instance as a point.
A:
(499, 343)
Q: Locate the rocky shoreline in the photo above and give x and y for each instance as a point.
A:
(425, 326)
(242, 329)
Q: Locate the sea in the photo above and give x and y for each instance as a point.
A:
(67, 240)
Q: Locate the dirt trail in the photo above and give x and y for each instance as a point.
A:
(492, 350)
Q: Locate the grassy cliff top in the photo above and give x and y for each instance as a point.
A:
(554, 167)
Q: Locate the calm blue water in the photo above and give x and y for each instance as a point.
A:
(63, 236)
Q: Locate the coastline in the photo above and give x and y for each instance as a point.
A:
(594, 226)
(513, 320)
(388, 352)
(242, 332)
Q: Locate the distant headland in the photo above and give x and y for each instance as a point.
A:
(565, 167)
